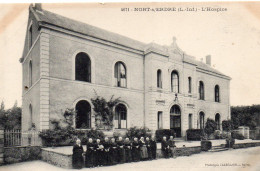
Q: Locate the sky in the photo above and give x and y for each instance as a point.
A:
(231, 37)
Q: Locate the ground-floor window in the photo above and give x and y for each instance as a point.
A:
(159, 119)
(190, 121)
(120, 116)
(217, 120)
(83, 115)
(202, 120)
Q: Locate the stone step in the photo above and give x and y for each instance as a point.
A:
(217, 149)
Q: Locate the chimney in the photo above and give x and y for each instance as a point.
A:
(38, 6)
(208, 60)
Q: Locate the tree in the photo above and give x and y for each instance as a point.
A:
(104, 111)
(227, 125)
(210, 127)
(10, 118)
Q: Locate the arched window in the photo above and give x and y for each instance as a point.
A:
(217, 94)
(202, 120)
(30, 116)
(83, 115)
(217, 120)
(120, 74)
(82, 67)
(30, 73)
(201, 91)
(159, 78)
(175, 82)
(190, 84)
(120, 116)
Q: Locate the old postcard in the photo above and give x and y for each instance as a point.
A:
(130, 86)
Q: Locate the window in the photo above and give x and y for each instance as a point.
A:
(159, 78)
(159, 117)
(83, 115)
(30, 73)
(217, 93)
(120, 116)
(189, 88)
(190, 121)
(175, 82)
(120, 74)
(201, 91)
(217, 120)
(30, 38)
(82, 67)
(202, 120)
(30, 116)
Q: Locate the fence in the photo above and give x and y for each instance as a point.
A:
(19, 138)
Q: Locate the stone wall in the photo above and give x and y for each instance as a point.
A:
(57, 159)
(21, 153)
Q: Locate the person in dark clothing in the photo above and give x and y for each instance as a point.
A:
(128, 147)
(148, 146)
(165, 147)
(107, 156)
(99, 153)
(143, 149)
(121, 150)
(90, 153)
(135, 150)
(113, 151)
(77, 156)
(153, 147)
(172, 146)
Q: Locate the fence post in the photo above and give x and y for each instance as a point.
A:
(1, 146)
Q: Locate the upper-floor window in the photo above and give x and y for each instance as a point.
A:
(120, 74)
(217, 94)
(30, 37)
(175, 82)
(30, 73)
(201, 91)
(190, 84)
(159, 78)
(82, 67)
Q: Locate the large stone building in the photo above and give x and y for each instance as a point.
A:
(66, 62)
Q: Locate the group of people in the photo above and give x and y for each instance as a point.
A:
(110, 152)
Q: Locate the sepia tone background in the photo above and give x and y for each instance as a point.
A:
(231, 37)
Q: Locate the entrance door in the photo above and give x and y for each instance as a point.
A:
(175, 120)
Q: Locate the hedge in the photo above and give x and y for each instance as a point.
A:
(194, 134)
(164, 132)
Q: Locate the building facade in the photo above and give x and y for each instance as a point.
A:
(67, 63)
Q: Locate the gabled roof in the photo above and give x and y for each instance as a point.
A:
(46, 17)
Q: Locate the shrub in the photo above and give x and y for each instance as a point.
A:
(227, 125)
(237, 135)
(194, 134)
(205, 145)
(210, 127)
(138, 132)
(164, 132)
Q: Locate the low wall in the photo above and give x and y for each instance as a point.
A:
(21, 153)
(246, 145)
(57, 159)
(181, 151)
